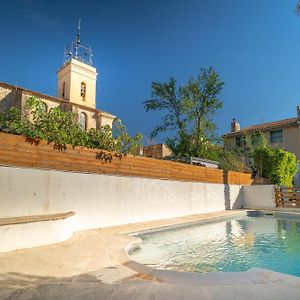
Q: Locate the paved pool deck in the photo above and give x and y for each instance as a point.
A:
(94, 265)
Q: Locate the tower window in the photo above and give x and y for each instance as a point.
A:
(83, 120)
(83, 90)
(63, 90)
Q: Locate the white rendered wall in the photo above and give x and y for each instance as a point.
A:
(103, 200)
(26, 235)
(258, 196)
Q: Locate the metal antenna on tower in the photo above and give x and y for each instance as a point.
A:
(77, 39)
(78, 32)
(78, 51)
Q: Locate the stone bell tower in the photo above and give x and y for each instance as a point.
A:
(76, 79)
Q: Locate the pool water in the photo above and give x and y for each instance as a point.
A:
(228, 245)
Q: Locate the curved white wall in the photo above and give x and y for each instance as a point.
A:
(26, 235)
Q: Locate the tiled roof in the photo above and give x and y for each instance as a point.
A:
(47, 97)
(265, 126)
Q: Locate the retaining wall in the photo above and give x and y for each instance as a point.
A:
(107, 200)
(258, 196)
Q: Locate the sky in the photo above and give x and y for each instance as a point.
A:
(253, 45)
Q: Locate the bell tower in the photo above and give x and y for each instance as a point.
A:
(76, 78)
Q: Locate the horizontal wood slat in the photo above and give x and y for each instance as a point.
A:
(287, 197)
(16, 151)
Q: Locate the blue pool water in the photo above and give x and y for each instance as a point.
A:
(229, 245)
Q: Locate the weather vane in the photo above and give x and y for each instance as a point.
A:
(78, 51)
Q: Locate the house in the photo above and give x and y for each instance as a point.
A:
(76, 89)
(157, 151)
(283, 133)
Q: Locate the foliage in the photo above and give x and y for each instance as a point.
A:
(200, 104)
(188, 111)
(61, 128)
(277, 164)
(230, 160)
(123, 142)
(256, 140)
(169, 98)
(250, 142)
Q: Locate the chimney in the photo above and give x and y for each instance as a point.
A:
(298, 111)
(235, 126)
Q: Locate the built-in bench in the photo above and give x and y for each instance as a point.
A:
(36, 230)
(35, 218)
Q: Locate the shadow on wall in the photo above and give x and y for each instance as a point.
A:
(12, 99)
(226, 190)
(239, 201)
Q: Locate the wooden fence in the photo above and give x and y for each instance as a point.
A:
(287, 197)
(18, 151)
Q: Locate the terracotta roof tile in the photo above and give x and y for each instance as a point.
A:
(265, 126)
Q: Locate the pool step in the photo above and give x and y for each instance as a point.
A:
(268, 214)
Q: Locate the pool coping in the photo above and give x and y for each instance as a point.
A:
(251, 276)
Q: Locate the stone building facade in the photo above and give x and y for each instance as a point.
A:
(284, 134)
(14, 96)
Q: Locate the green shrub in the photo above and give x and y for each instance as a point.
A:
(232, 161)
(61, 128)
(276, 164)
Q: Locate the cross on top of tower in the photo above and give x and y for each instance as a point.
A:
(78, 51)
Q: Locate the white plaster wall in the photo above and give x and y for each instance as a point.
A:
(103, 200)
(26, 235)
(258, 196)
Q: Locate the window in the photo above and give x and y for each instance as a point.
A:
(276, 136)
(257, 138)
(83, 90)
(83, 121)
(240, 141)
(63, 90)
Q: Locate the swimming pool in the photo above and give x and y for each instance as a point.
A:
(253, 240)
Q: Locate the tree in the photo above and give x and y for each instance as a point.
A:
(255, 144)
(166, 96)
(189, 110)
(200, 104)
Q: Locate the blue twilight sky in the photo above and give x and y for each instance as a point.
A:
(253, 45)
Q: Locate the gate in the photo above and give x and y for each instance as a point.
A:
(288, 197)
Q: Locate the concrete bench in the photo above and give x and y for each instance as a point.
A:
(36, 230)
